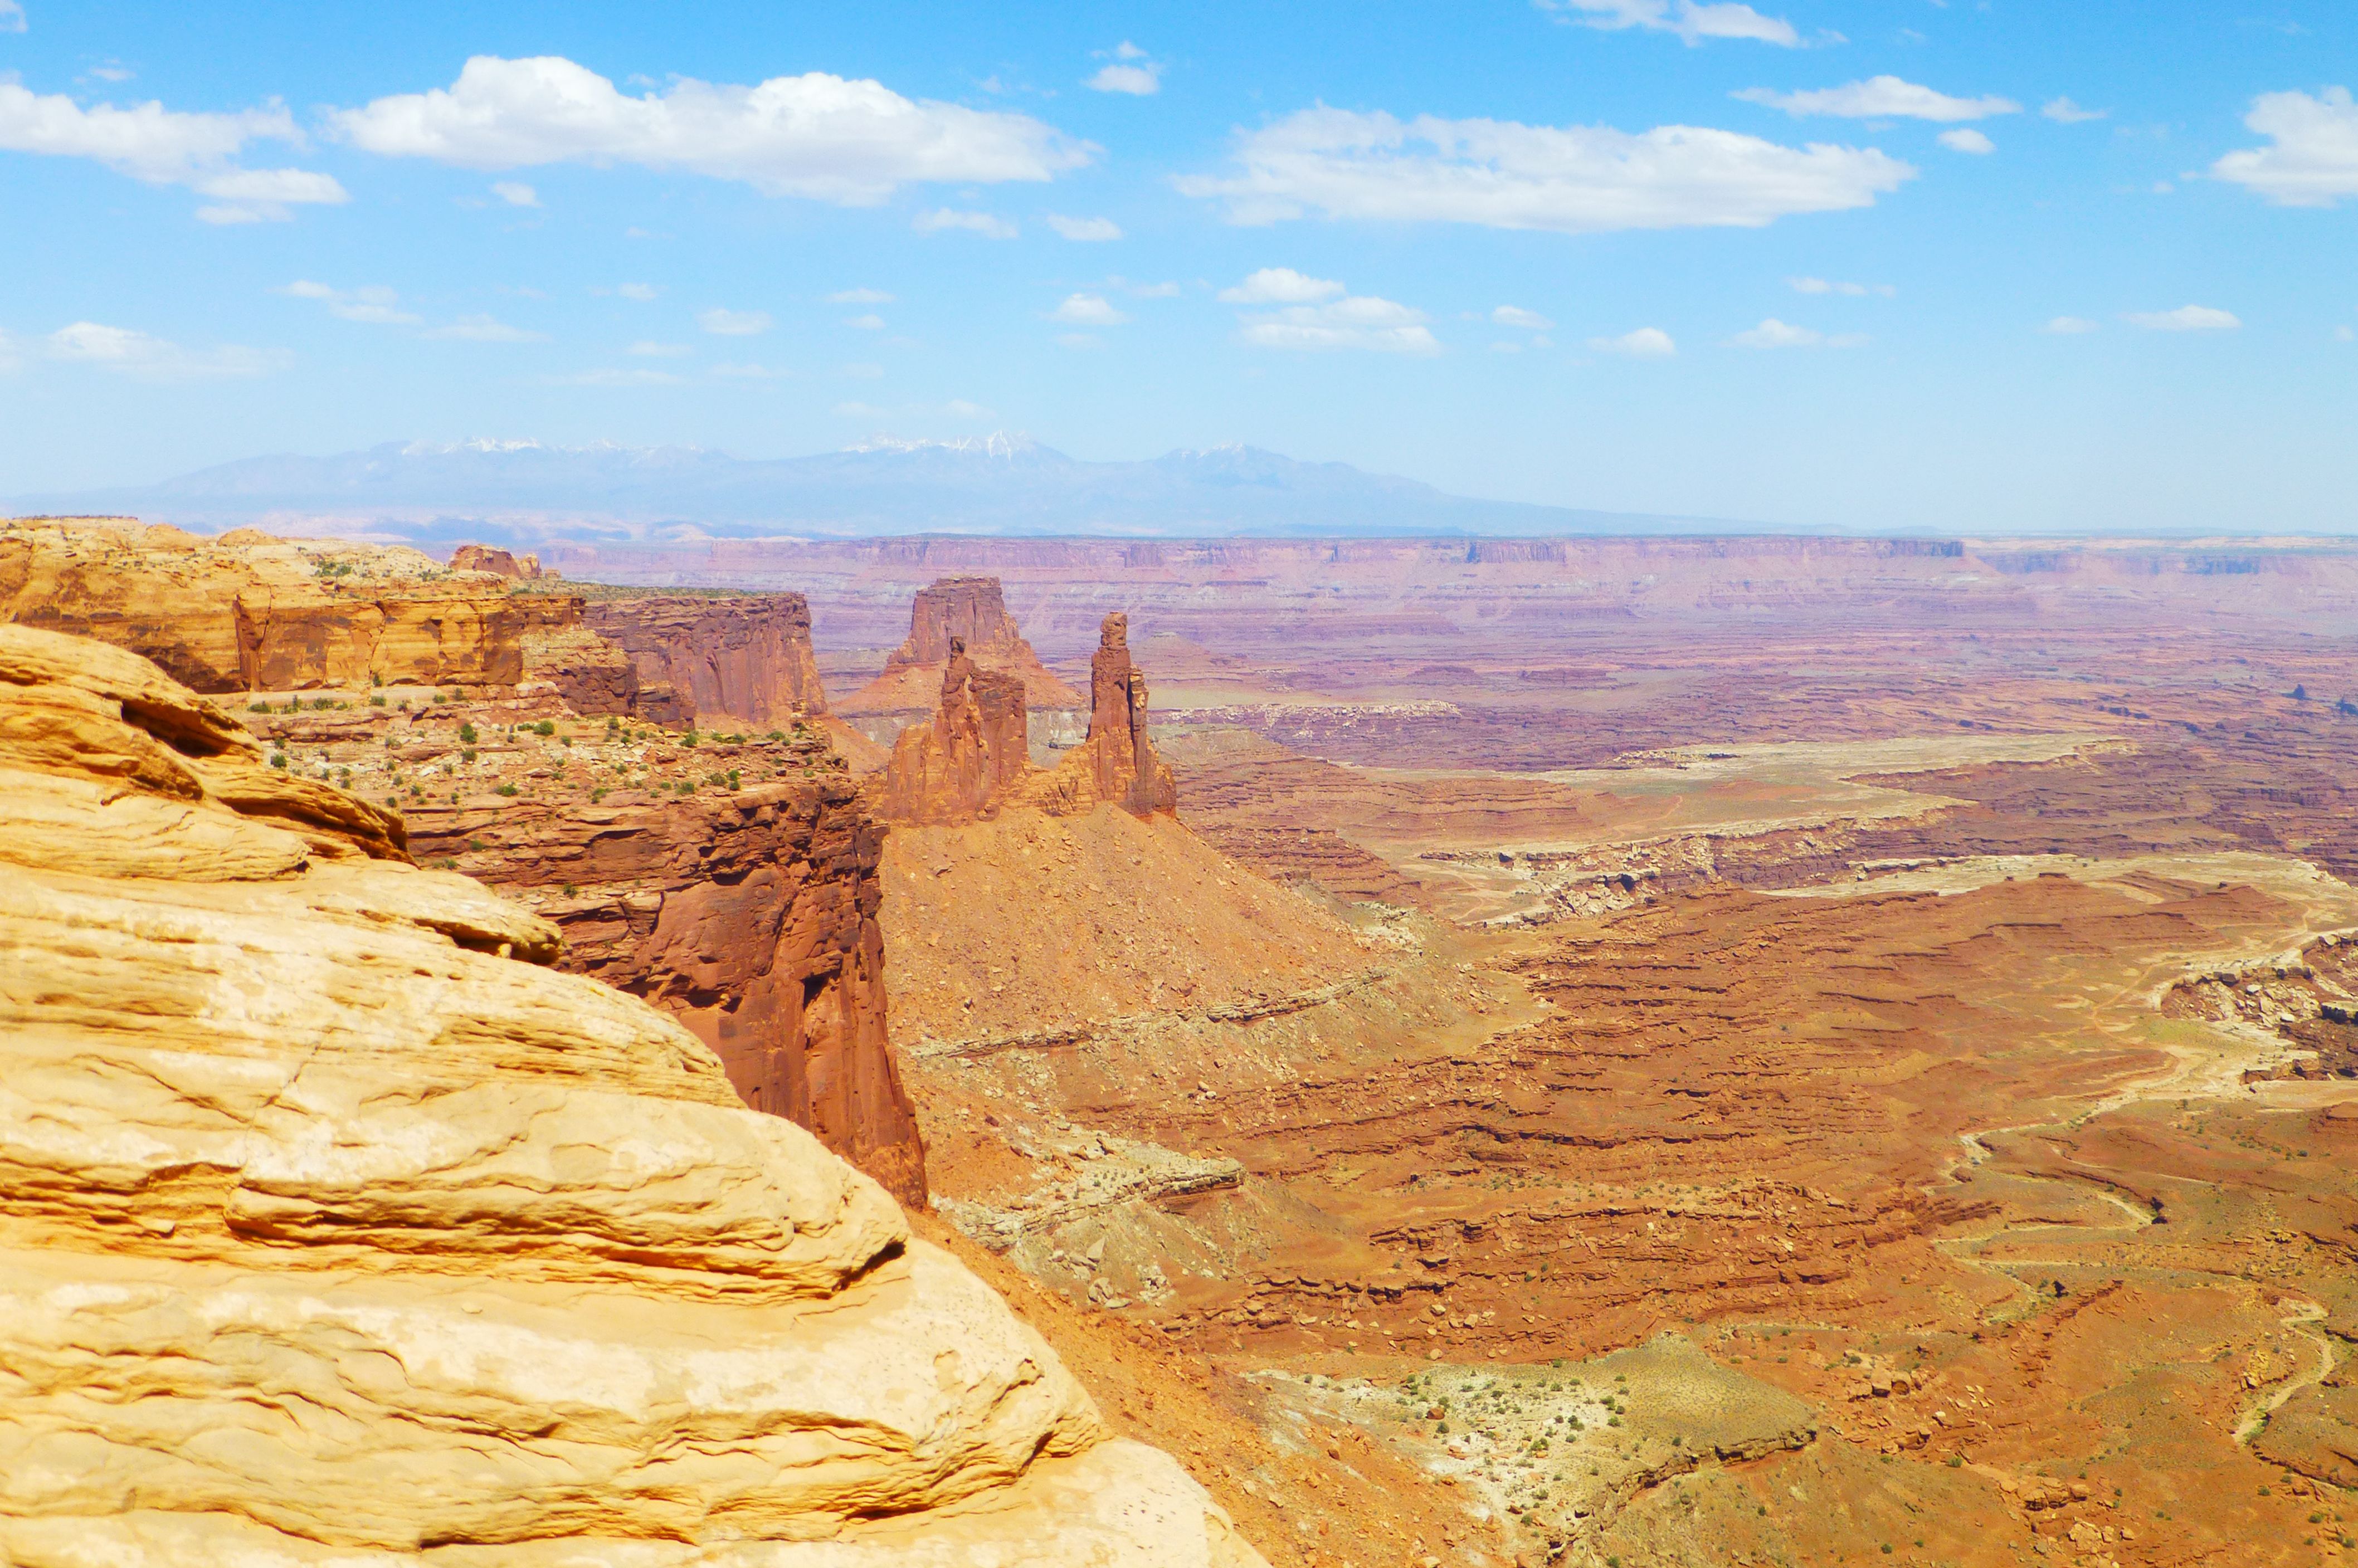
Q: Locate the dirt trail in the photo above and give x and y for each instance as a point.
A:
(2306, 1319)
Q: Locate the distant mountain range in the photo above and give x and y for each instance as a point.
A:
(523, 493)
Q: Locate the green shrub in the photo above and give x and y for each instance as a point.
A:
(376, 699)
(278, 760)
(507, 789)
(258, 707)
(466, 754)
(466, 734)
(546, 727)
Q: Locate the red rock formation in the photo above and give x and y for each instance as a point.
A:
(1117, 764)
(967, 610)
(498, 562)
(750, 915)
(250, 612)
(744, 656)
(973, 754)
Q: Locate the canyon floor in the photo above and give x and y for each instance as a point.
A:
(1652, 1097)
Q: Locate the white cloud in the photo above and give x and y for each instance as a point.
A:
(1084, 229)
(1693, 23)
(989, 225)
(2069, 326)
(1514, 315)
(641, 292)
(859, 297)
(111, 70)
(723, 324)
(145, 358)
(1140, 81)
(1775, 334)
(868, 322)
(1826, 285)
(1569, 180)
(160, 146)
(1881, 98)
(959, 409)
(2313, 161)
(2185, 319)
(606, 377)
(515, 193)
(1130, 72)
(12, 17)
(1645, 343)
(372, 304)
(1280, 285)
(1966, 141)
(1354, 321)
(486, 329)
(646, 349)
(814, 136)
(1088, 311)
(2063, 111)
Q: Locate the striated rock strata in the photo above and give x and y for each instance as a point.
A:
(336, 1227)
(972, 755)
(967, 610)
(250, 612)
(748, 914)
(745, 657)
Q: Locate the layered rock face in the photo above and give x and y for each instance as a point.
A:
(749, 915)
(335, 1227)
(972, 610)
(1117, 764)
(498, 562)
(746, 657)
(971, 758)
(248, 612)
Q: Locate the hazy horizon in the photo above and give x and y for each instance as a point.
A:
(1823, 266)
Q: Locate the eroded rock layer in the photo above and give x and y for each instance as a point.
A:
(336, 1227)
(749, 914)
(972, 610)
(745, 657)
(1116, 765)
(969, 758)
(250, 612)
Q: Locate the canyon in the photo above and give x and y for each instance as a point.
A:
(319, 1178)
(1666, 1051)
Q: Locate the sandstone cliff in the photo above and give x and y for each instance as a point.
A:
(336, 1227)
(250, 612)
(969, 609)
(748, 913)
(1116, 765)
(969, 758)
(744, 656)
(499, 562)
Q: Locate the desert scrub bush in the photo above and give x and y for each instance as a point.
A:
(466, 733)
(466, 754)
(546, 727)
(507, 789)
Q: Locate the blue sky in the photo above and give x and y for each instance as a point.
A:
(1908, 265)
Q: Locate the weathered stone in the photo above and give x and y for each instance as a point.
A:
(335, 1228)
(972, 757)
(967, 610)
(744, 656)
(1118, 764)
